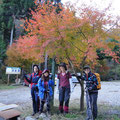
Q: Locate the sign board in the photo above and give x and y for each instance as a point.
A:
(13, 70)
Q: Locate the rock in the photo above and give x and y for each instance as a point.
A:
(43, 116)
(114, 112)
(46, 118)
(30, 118)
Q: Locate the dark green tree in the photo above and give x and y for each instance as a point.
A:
(10, 10)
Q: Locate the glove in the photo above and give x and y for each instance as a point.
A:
(90, 88)
(89, 82)
(47, 91)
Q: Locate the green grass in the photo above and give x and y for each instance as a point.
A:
(70, 116)
(75, 114)
(4, 86)
(105, 112)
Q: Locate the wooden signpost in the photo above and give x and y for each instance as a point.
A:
(12, 70)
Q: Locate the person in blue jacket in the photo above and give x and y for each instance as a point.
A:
(45, 90)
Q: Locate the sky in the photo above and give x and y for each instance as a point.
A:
(101, 4)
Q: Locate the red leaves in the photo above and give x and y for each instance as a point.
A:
(52, 32)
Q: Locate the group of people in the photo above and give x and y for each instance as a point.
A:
(41, 89)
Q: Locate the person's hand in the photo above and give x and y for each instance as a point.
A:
(36, 88)
(90, 88)
(48, 91)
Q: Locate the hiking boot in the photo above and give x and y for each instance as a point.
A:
(40, 112)
(48, 114)
(61, 111)
(33, 113)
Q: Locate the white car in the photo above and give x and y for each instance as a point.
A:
(74, 79)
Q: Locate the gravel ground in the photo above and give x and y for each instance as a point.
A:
(18, 96)
(109, 94)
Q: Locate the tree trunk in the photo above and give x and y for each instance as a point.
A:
(40, 66)
(115, 64)
(46, 58)
(12, 31)
(8, 82)
(32, 70)
(82, 96)
(81, 85)
(53, 78)
(11, 36)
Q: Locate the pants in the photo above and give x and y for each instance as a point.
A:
(35, 99)
(47, 101)
(64, 96)
(93, 103)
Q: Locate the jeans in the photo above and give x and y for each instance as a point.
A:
(46, 100)
(64, 96)
(35, 99)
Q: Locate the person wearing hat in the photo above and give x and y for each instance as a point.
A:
(45, 90)
(65, 87)
(91, 86)
(34, 89)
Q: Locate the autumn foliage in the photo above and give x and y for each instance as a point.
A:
(71, 34)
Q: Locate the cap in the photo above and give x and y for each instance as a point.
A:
(86, 67)
(63, 65)
(44, 71)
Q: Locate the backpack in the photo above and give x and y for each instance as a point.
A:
(99, 81)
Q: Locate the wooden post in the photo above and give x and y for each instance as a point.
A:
(17, 80)
(8, 82)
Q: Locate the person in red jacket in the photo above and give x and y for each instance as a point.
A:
(34, 88)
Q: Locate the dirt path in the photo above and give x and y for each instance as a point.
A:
(19, 95)
(109, 94)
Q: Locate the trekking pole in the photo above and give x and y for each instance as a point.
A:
(89, 105)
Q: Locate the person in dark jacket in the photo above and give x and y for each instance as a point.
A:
(65, 87)
(45, 90)
(91, 86)
(34, 89)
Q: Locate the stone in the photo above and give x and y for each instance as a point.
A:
(42, 115)
(30, 118)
